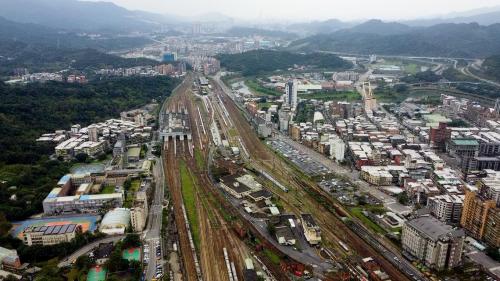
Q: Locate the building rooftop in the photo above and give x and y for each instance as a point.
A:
(134, 152)
(308, 220)
(465, 142)
(232, 183)
(433, 228)
(53, 229)
(261, 193)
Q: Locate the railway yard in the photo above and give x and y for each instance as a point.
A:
(218, 238)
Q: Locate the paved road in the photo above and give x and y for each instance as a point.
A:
(466, 71)
(87, 248)
(153, 228)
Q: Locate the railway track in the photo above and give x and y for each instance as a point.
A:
(215, 233)
(298, 200)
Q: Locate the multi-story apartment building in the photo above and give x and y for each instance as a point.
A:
(139, 213)
(447, 207)
(490, 185)
(492, 229)
(474, 214)
(433, 242)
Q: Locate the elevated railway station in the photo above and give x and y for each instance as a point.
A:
(176, 125)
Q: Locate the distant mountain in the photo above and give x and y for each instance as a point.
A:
(483, 16)
(41, 48)
(240, 31)
(381, 28)
(79, 15)
(316, 27)
(450, 40)
(35, 34)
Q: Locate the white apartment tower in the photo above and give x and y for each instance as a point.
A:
(93, 133)
(291, 94)
(337, 148)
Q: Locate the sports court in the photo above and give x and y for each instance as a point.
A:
(132, 254)
(97, 273)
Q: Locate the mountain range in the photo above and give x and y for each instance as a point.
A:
(464, 40)
(79, 15)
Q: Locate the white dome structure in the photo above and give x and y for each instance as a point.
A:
(115, 221)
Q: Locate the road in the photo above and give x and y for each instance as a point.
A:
(466, 71)
(153, 228)
(87, 248)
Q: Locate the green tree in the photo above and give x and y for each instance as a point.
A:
(132, 240)
(5, 225)
(403, 198)
(81, 157)
(83, 262)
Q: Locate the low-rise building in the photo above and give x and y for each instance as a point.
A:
(285, 236)
(50, 235)
(312, 232)
(431, 241)
(9, 258)
(87, 203)
(115, 221)
(382, 175)
(239, 186)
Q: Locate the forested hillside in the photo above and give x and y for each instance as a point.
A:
(449, 40)
(260, 61)
(28, 111)
(492, 67)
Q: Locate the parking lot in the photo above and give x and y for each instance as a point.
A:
(302, 160)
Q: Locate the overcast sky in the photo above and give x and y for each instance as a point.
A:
(309, 9)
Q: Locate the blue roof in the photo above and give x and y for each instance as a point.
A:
(64, 179)
(84, 197)
(52, 195)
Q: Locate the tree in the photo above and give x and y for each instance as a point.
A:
(81, 157)
(494, 253)
(403, 198)
(127, 184)
(10, 277)
(116, 262)
(5, 225)
(101, 156)
(271, 229)
(132, 240)
(83, 262)
(401, 88)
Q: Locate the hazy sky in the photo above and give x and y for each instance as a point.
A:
(309, 9)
